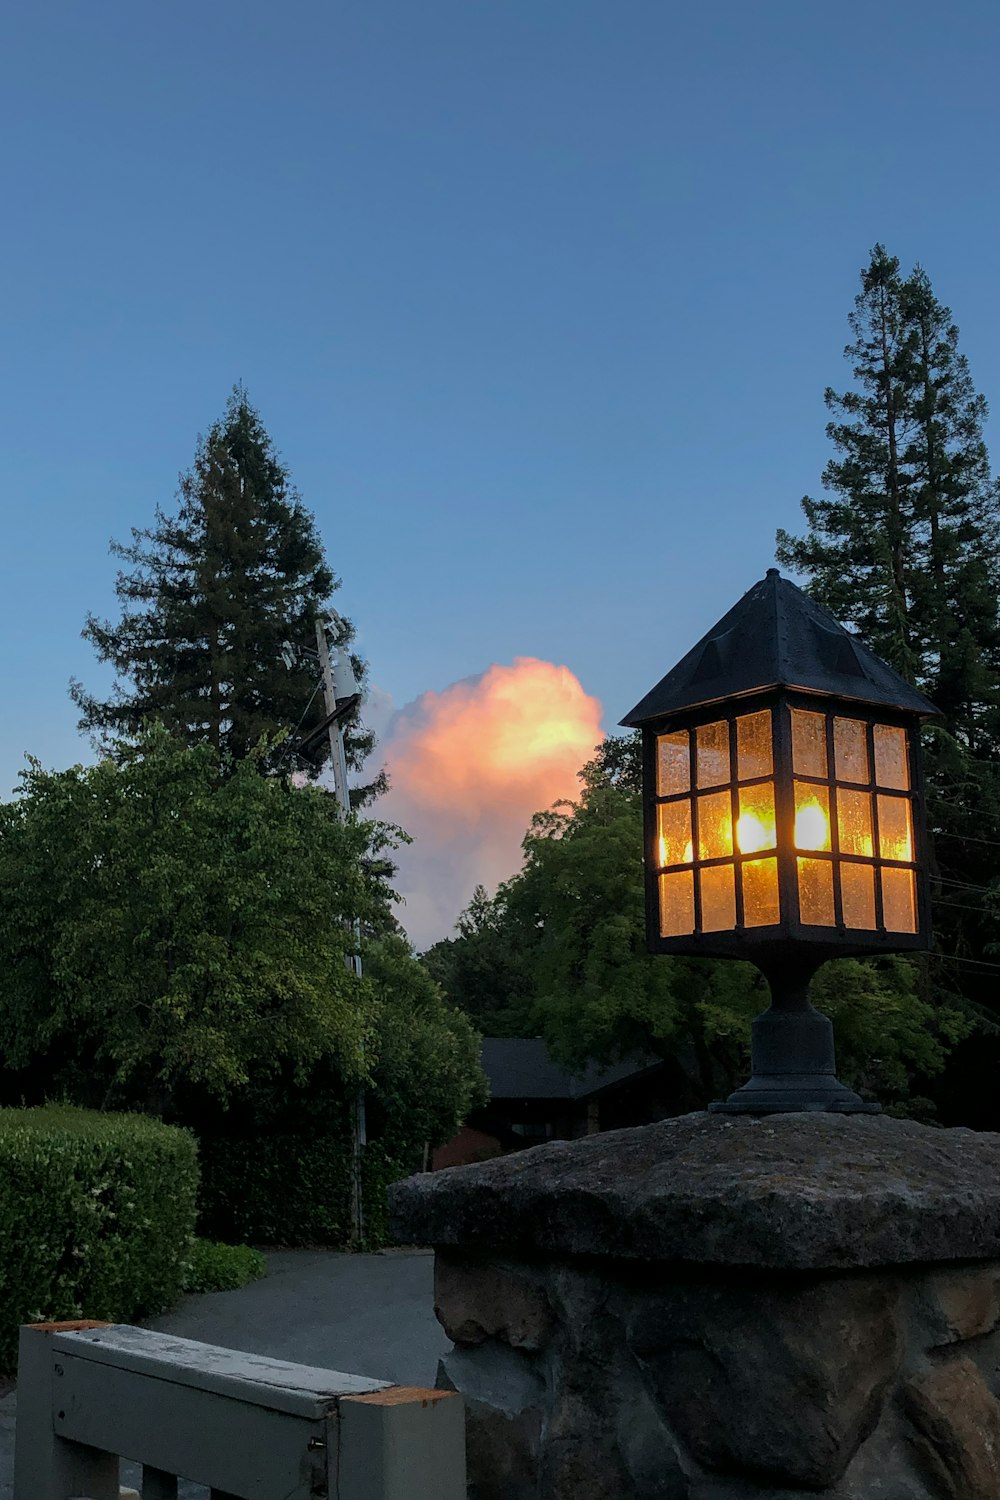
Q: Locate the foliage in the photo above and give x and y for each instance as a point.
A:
(890, 1027)
(288, 1187)
(164, 924)
(173, 937)
(215, 1267)
(486, 969)
(426, 1074)
(276, 1166)
(575, 916)
(906, 549)
(293, 1187)
(216, 639)
(97, 1215)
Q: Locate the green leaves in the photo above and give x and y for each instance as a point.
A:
(176, 918)
(571, 925)
(905, 548)
(97, 1217)
(216, 639)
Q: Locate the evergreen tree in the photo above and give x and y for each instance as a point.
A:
(216, 639)
(906, 549)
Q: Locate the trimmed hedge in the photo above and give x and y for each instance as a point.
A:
(97, 1215)
(291, 1189)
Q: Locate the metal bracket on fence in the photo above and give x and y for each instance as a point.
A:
(248, 1427)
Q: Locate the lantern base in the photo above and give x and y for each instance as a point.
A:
(788, 1094)
(791, 1051)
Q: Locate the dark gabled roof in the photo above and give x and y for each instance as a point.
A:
(521, 1068)
(776, 636)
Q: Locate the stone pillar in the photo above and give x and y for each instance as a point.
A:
(724, 1308)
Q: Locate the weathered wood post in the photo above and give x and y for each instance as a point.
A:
(47, 1465)
(244, 1426)
(724, 1307)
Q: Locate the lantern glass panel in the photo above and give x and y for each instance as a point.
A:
(899, 900)
(756, 827)
(891, 765)
(715, 825)
(718, 898)
(713, 753)
(812, 816)
(808, 743)
(673, 764)
(753, 745)
(761, 907)
(854, 822)
(674, 832)
(857, 894)
(677, 903)
(895, 829)
(850, 748)
(816, 892)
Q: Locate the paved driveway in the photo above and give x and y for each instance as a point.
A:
(365, 1314)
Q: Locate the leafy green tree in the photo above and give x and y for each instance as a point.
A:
(484, 969)
(216, 639)
(163, 924)
(575, 916)
(426, 1075)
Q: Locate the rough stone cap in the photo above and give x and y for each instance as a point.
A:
(804, 1191)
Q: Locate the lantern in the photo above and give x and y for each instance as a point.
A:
(784, 820)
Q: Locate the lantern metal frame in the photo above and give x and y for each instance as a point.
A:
(759, 944)
(777, 649)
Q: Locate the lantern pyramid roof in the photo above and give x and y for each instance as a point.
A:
(776, 636)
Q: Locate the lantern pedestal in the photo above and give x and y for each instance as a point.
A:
(724, 1308)
(792, 1054)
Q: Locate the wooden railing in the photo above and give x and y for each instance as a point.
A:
(247, 1427)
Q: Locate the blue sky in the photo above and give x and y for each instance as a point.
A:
(538, 298)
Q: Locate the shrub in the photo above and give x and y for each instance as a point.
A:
(280, 1189)
(97, 1217)
(291, 1189)
(215, 1267)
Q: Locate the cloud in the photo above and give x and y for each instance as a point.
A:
(468, 766)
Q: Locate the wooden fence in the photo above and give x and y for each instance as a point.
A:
(246, 1427)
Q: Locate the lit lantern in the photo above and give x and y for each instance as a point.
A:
(784, 823)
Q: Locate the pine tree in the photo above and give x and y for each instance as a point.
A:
(216, 639)
(906, 550)
(955, 505)
(856, 548)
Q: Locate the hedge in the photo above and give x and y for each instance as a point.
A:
(287, 1188)
(97, 1215)
(223, 1268)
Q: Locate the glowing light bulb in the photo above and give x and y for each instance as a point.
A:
(812, 827)
(754, 833)
(688, 852)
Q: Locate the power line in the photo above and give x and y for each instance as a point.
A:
(968, 838)
(290, 745)
(963, 906)
(962, 885)
(956, 958)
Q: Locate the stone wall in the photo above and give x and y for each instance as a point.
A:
(611, 1380)
(802, 1348)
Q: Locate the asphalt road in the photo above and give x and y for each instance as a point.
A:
(364, 1314)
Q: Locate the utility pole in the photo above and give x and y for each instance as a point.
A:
(338, 760)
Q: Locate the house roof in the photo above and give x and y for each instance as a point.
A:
(776, 636)
(521, 1068)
